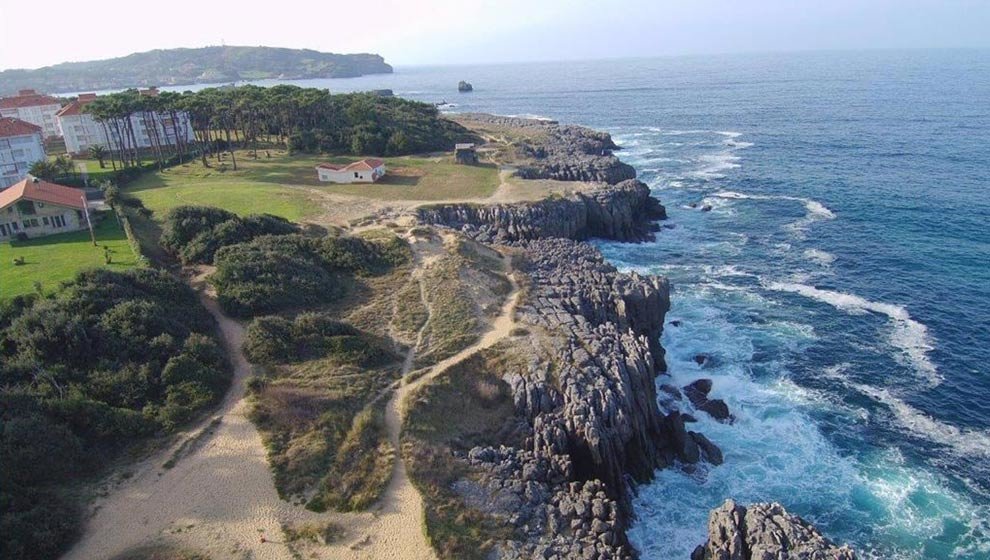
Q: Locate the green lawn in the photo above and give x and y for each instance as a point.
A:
(56, 258)
(272, 184)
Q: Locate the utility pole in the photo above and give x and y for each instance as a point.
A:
(88, 221)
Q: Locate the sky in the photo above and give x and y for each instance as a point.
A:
(411, 32)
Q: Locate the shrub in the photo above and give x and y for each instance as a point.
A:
(196, 233)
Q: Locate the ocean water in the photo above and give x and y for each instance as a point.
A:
(840, 281)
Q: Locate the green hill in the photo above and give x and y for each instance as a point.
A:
(190, 66)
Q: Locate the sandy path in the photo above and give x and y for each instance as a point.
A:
(219, 498)
(398, 530)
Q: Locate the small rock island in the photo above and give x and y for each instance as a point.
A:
(464, 87)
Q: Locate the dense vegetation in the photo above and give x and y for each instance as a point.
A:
(195, 233)
(191, 66)
(274, 340)
(251, 117)
(109, 358)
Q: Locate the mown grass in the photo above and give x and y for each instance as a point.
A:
(272, 184)
(468, 405)
(58, 258)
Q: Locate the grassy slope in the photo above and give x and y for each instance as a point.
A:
(59, 257)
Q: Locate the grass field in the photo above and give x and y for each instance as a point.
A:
(56, 258)
(272, 184)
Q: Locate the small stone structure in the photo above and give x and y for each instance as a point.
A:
(465, 154)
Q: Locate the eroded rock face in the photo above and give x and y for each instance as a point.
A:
(574, 153)
(764, 532)
(591, 403)
(622, 212)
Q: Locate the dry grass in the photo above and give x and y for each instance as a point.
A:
(160, 552)
(467, 406)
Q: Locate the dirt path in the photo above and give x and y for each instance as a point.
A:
(398, 530)
(219, 498)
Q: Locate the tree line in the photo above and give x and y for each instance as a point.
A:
(309, 120)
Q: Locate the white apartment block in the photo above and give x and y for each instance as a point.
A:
(21, 145)
(81, 130)
(33, 107)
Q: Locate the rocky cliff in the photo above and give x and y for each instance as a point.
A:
(764, 531)
(624, 212)
(563, 152)
(590, 403)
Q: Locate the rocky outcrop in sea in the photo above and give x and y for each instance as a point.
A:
(764, 531)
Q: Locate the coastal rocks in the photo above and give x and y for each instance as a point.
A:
(590, 402)
(464, 87)
(697, 393)
(764, 531)
(623, 212)
(574, 153)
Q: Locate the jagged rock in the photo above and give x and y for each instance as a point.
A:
(621, 212)
(697, 393)
(672, 391)
(675, 323)
(463, 86)
(706, 208)
(717, 409)
(709, 451)
(764, 532)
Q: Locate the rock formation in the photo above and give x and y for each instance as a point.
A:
(764, 532)
(591, 405)
(464, 87)
(623, 212)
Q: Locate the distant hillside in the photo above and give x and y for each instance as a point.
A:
(190, 66)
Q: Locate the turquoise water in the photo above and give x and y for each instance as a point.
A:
(841, 280)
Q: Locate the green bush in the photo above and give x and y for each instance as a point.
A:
(274, 340)
(110, 357)
(196, 233)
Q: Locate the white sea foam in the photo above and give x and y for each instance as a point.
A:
(729, 133)
(971, 443)
(815, 210)
(909, 336)
(823, 258)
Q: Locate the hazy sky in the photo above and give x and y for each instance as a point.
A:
(466, 31)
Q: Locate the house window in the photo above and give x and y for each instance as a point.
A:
(356, 176)
(14, 226)
(34, 222)
(44, 220)
(27, 224)
(26, 207)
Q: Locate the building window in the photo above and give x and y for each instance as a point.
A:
(26, 207)
(356, 176)
(34, 222)
(27, 224)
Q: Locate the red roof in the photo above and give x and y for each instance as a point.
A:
(364, 164)
(9, 126)
(27, 98)
(75, 107)
(42, 191)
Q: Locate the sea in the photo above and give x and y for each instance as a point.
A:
(828, 244)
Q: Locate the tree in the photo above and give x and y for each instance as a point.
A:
(98, 153)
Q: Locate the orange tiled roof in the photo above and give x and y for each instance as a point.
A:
(75, 107)
(27, 98)
(42, 191)
(364, 164)
(9, 126)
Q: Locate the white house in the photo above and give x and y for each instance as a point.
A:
(81, 130)
(364, 171)
(37, 208)
(21, 145)
(33, 107)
